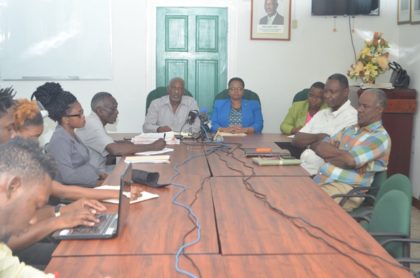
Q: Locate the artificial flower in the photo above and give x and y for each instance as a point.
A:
(373, 60)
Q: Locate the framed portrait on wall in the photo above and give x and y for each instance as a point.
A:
(270, 19)
(415, 11)
(403, 15)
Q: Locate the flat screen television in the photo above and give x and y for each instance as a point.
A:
(345, 7)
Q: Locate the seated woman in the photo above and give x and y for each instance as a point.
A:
(68, 151)
(235, 114)
(302, 112)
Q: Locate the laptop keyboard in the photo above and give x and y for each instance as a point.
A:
(97, 228)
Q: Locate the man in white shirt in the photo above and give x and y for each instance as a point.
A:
(171, 112)
(100, 144)
(326, 122)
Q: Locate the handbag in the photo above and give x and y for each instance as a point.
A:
(399, 77)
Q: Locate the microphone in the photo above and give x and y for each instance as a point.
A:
(192, 115)
(203, 116)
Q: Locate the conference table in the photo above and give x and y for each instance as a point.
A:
(252, 221)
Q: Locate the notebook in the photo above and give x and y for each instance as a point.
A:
(110, 223)
(264, 161)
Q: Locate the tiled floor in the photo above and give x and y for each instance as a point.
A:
(415, 233)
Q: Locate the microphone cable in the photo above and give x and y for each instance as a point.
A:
(191, 215)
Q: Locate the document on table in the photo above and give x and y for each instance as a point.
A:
(147, 159)
(143, 197)
(165, 150)
(229, 134)
(147, 138)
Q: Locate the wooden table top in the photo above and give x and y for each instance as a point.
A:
(240, 235)
(246, 225)
(325, 265)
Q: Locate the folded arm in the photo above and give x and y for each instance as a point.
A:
(330, 153)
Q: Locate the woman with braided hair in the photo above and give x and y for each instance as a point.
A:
(70, 154)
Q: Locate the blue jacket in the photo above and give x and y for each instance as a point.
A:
(251, 114)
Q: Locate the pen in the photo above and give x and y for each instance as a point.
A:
(164, 135)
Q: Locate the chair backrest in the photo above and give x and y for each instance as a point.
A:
(374, 188)
(398, 182)
(302, 95)
(392, 214)
(160, 92)
(248, 94)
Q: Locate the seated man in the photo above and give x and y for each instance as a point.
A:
(29, 124)
(339, 115)
(25, 184)
(302, 112)
(100, 144)
(171, 112)
(356, 153)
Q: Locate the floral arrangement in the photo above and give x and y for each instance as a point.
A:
(372, 60)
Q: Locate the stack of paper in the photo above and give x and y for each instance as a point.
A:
(147, 138)
(165, 150)
(143, 196)
(148, 159)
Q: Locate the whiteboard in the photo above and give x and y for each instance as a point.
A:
(55, 39)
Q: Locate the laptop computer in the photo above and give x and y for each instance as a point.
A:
(110, 223)
(293, 150)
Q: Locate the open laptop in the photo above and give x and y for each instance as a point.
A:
(110, 223)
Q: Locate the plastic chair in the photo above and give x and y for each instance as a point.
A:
(369, 193)
(391, 219)
(160, 92)
(248, 94)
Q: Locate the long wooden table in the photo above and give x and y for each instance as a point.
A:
(241, 236)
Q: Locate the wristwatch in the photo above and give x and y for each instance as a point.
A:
(57, 209)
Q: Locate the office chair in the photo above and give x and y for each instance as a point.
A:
(159, 92)
(248, 94)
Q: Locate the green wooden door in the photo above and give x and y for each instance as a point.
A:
(191, 44)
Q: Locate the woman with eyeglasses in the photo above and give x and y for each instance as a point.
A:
(70, 154)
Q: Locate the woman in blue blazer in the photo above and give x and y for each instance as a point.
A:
(235, 114)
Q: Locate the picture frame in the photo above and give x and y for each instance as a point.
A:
(274, 27)
(415, 12)
(403, 14)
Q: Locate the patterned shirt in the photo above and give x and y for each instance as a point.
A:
(235, 117)
(370, 147)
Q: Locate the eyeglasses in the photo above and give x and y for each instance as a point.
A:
(79, 115)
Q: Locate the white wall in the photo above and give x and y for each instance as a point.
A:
(274, 69)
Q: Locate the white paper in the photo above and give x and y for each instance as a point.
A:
(165, 150)
(148, 159)
(229, 134)
(147, 138)
(143, 197)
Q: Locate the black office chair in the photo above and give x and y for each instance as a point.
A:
(159, 92)
(248, 94)
(302, 95)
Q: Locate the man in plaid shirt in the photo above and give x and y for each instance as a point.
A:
(356, 153)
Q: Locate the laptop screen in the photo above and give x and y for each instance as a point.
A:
(125, 183)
